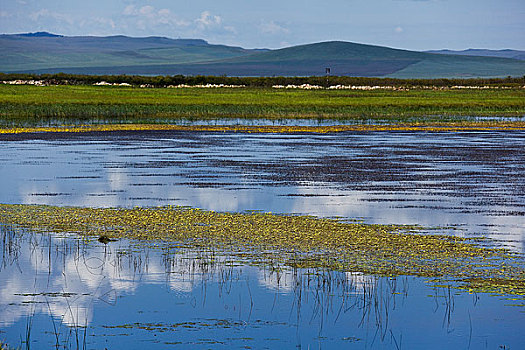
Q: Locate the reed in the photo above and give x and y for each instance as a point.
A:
(22, 105)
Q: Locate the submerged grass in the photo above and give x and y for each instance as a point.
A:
(297, 241)
(22, 105)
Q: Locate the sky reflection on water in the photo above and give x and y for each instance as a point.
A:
(472, 181)
(126, 293)
(160, 295)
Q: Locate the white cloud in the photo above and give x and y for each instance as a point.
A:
(130, 10)
(273, 28)
(230, 29)
(107, 22)
(360, 282)
(45, 13)
(150, 19)
(164, 12)
(282, 281)
(68, 23)
(148, 16)
(100, 274)
(148, 11)
(207, 20)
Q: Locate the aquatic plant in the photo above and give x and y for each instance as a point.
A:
(296, 241)
(430, 127)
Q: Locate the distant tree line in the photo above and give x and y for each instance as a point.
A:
(166, 80)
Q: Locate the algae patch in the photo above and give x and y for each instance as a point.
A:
(291, 240)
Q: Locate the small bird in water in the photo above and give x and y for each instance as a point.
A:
(105, 239)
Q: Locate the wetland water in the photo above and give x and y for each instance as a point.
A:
(469, 184)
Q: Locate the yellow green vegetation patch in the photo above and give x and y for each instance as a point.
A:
(431, 127)
(298, 241)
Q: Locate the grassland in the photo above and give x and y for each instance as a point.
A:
(23, 105)
(296, 241)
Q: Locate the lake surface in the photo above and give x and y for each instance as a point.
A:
(471, 181)
(129, 294)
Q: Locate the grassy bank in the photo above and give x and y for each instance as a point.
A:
(296, 241)
(25, 105)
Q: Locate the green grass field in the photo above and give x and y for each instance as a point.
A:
(22, 105)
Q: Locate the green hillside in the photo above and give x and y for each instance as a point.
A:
(38, 53)
(453, 66)
(507, 53)
(367, 60)
(46, 53)
(343, 58)
(332, 50)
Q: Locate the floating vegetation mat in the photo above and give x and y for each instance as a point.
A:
(432, 127)
(295, 241)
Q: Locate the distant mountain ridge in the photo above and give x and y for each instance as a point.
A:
(40, 34)
(506, 53)
(43, 52)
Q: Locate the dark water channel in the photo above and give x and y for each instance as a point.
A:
(84, 294)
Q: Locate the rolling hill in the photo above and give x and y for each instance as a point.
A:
(48, 53)
(44, 51)
(515, 54)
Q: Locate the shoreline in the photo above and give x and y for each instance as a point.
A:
(427, 127)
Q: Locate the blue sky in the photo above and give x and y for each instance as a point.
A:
(407, 24)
